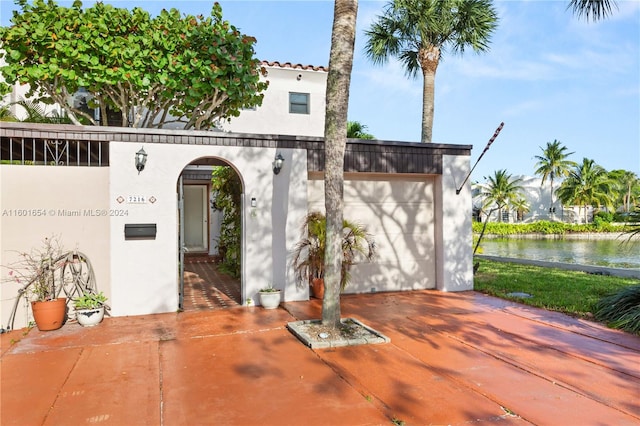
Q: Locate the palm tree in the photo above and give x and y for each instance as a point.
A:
(417, 32)
(553, 163)
(6, 114)
(357, 130)
(521, 206)
(596, 9)
(501, 191)
(627, 185)
(588, 184)
(343, 38)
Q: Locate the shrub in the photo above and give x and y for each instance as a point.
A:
(621, 310)
(604, 216)
(545, 227)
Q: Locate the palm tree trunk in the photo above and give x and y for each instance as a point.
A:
(429, 58)
(551, 203)
(335, 132)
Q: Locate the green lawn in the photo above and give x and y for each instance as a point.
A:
(571, 292)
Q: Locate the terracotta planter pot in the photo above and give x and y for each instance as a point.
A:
(49, 315)
(317, 287)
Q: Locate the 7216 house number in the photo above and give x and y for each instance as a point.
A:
(136, 199)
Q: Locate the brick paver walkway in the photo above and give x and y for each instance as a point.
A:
(207, 288)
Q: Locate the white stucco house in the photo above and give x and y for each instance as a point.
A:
(81, 183)
(293, 104)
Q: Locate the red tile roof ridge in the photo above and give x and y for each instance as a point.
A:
(294, 66)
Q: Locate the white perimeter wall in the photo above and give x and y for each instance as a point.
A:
(37, 202)
(454, 236)
(421, 226)
(145, 272)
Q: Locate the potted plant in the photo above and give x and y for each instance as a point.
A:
(38, 271)
(308, 256)
(269, 297)
(90, 308)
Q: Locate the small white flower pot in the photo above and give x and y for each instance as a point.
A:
(270, 299)
(90, 317)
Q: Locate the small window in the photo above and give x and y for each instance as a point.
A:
(299, 103)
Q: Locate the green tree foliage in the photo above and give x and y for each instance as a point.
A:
(36, 113)
(626, 187)
(545, 227)
(417, 32)
(553, 164)
(588, 184)
(151, 71)
(357, 130)
(500, 191)
(227, 189)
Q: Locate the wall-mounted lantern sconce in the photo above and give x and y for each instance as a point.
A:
(254, 203)
(141, 160)
(277, 163)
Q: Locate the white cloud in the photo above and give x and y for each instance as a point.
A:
(523, 107)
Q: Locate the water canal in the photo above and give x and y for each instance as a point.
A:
(613, 253)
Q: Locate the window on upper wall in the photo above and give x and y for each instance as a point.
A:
(298, 103)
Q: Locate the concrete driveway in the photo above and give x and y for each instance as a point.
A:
(454, 358)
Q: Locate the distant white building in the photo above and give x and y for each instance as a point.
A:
(538, 198)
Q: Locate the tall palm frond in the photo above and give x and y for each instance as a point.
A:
(588, 184)
(501, 190)
(417, 32)
(553, 164)
(594, 9)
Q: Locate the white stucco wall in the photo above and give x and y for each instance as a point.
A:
(454, 236)
(273, 116)
(37, 202)
(145, 272)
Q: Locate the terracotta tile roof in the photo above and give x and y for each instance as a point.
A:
(294, 66)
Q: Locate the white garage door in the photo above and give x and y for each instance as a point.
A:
(399, 212)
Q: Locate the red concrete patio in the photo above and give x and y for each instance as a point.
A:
(454, 358)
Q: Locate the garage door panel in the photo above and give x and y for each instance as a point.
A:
(366, 278)
(399, 214)
(404, 218)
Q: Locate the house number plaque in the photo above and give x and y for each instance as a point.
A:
(136, 199)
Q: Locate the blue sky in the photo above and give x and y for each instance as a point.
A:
(547, 76)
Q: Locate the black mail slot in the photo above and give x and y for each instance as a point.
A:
(140, 231)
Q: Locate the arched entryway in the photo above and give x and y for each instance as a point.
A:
(210, 203)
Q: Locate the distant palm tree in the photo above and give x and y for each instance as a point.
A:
(357, 130)
(501, 191)
(588, 184)
(35, 113)
(594, 9)
(553, 163)
(627, 185)
(418, 31)
(521, 206)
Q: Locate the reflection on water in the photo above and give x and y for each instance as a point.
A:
(611, 253)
